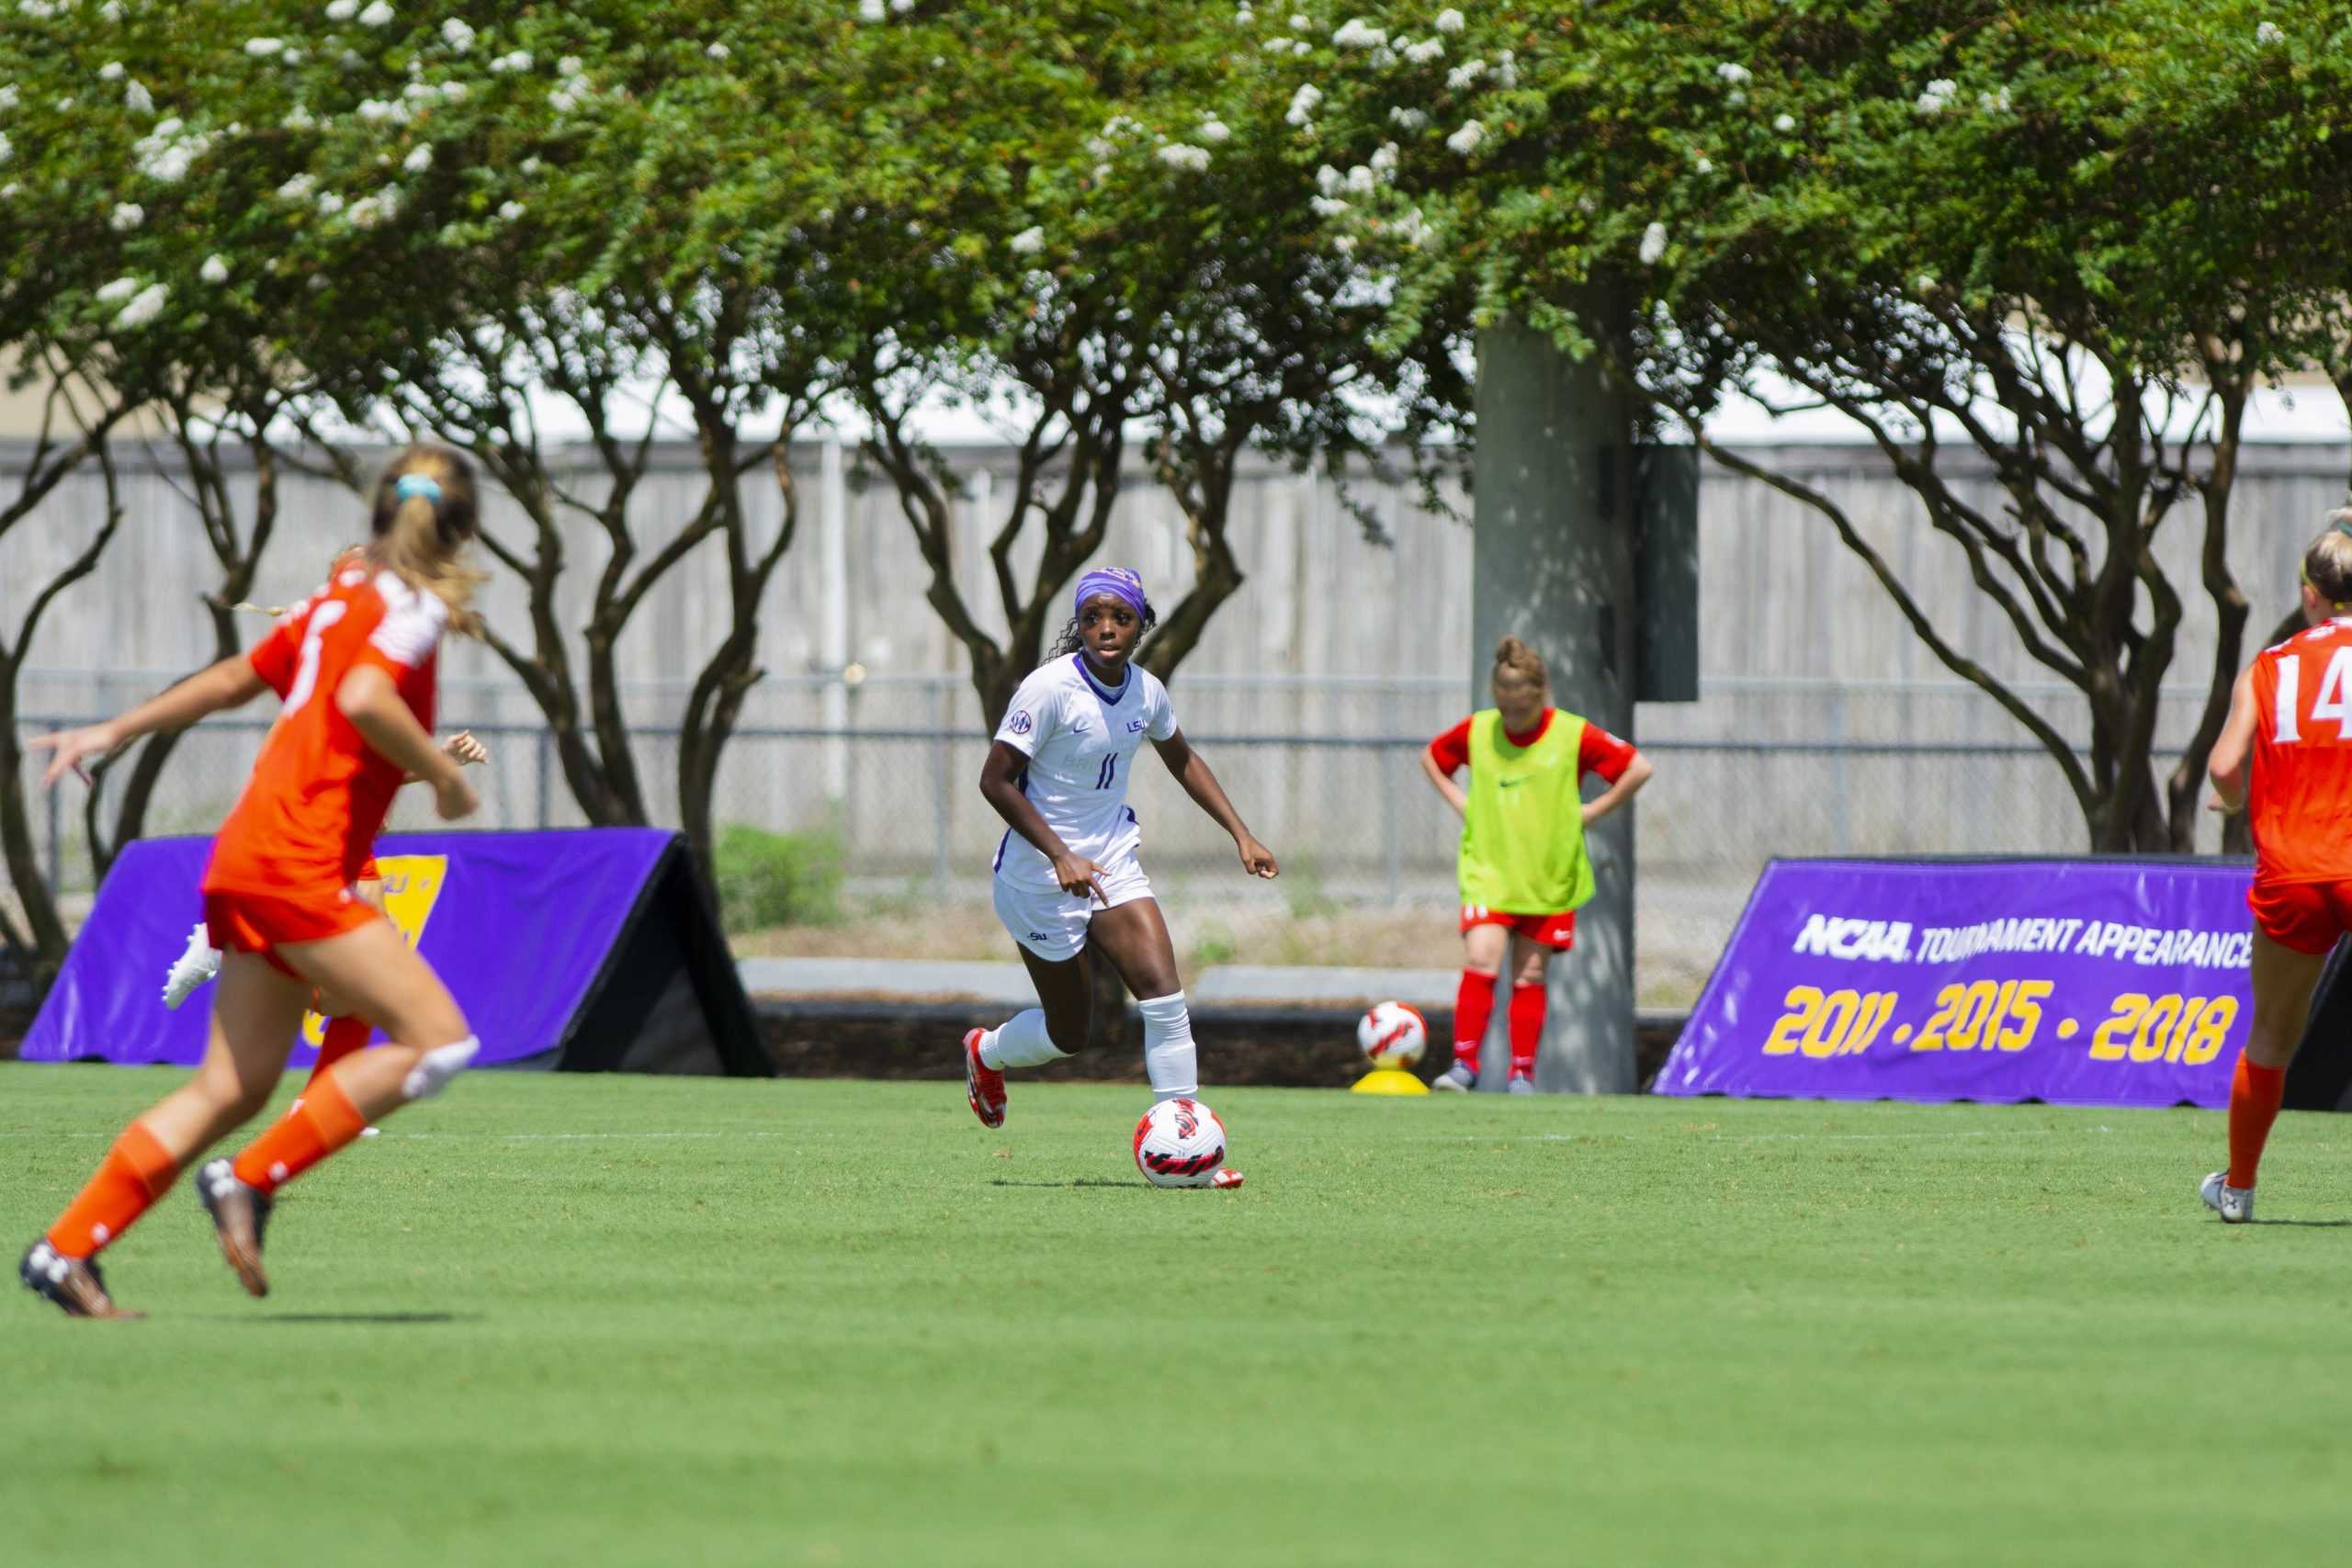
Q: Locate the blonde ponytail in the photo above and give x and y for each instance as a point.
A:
(423, 516)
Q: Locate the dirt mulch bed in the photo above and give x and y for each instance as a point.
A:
(1287, 1047)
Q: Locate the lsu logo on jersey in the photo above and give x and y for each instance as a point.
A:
(412, 886)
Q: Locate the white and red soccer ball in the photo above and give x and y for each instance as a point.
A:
(1393, 1035)
(1180, 1142)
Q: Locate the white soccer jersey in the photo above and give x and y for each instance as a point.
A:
(1081, 738)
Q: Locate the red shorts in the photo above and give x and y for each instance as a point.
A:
(261, 922)
(2306, 917)
(1551, 930)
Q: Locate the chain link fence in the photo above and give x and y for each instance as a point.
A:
(1327, 771)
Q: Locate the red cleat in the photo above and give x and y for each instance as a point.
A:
(983, 1085)
(1225, 1179)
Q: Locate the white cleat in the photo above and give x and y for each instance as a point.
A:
(200, 963)
(1456, 1078)
(2234, 1204)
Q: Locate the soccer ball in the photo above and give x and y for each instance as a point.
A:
(1180, 1142)
(1393, 1035)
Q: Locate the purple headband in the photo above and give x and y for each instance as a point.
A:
(1118, 583)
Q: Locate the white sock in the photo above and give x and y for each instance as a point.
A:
(1168, 1047)
(1020, 1041)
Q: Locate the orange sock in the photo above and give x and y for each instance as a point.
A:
(323, 1122)
(2254, 1094)
(343, 1035)
(136, 1172)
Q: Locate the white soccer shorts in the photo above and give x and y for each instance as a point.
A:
(1052, 924)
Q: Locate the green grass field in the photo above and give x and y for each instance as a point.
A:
(567, 1320)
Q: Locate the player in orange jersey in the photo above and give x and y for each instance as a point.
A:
(2285, 759)
(356, 721)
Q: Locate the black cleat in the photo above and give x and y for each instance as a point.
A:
(72, 1283)
(240, 1214)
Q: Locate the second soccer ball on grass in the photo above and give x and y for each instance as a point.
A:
(1393, 1035)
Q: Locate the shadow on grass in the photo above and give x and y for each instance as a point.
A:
(2308, 1224)
(1081, 1181)
(371, 1318)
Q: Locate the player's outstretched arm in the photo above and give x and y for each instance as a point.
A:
(372, 703)
(464, 749)
(227, 684)
(1000, 787)
(2234, 749)
(1637, 773)
(1191, 771)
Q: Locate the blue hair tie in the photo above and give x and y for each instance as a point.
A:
(410, 486)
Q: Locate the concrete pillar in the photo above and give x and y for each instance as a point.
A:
(1553, 563)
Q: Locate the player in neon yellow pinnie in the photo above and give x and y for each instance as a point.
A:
(1524, 871)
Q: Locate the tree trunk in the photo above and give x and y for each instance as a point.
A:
(43, 927)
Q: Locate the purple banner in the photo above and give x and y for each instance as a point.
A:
(2074, 982)
(517, 925)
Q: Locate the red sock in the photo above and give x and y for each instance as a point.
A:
(2254, 1094)
(1526, 1027)
(1473, 1004)
(325, 1123)
(136, 1172)
(343, 1035)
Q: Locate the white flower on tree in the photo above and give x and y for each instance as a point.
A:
(1733, 75)
(1422, 50)
(122, 288)
(144, 307)
(1653, 244)
(420, 159)
(1784, 123)
(1465, 141)
(1357, 33)
(510, 211)
(717, 52)
(376, 16)
(1938, 98)
(1027, 242)
(1449, 20)
(1360, 180)
(138, 100)
(1303, 104)
(1409, 119)
(343, 10)
(1328, 207)
(1462, 75)
(1180, 155)
(1214, 131)
(110, 71)
(297, 118)
(214, 270)
(456, 35)
(1329, 180)
(263, 48)
(508, 65)
(126, 216)
(2269, 34)
(298, 188)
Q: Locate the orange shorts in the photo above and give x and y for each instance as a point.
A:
(2306, 917)
(261, 922)
(1551, 930)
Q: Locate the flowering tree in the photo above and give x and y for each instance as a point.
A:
(2071, 240)
(1137, 255)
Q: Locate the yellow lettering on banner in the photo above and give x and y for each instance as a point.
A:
(1877, 1007)
(412, 886)
(2113, 1038)
(2025, 1011)
(1823, 1038)
(2211, 1033)
(2149, 1040)
(1806, 1001)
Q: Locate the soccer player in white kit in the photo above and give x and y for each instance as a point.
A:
(1067, 876)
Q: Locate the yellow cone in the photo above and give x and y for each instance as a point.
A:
(1389, 1080)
